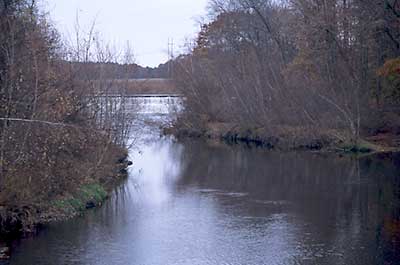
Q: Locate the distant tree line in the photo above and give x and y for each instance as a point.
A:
(113, 70)
(316, 64)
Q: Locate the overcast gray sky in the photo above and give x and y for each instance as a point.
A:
(146, 24)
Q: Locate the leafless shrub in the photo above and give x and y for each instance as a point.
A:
(290, 63)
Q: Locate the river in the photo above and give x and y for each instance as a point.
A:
(198, 203)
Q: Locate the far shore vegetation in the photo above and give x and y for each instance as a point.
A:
(295, 74)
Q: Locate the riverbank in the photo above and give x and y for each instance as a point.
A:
(285, 138)
(24, 219)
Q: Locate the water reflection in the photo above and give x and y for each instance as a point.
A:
(198, 203)
(335, 207)
(157, 174)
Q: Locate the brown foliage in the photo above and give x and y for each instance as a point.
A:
(292, 63)
(52, 138)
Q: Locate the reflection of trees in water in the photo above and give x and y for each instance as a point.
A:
(384, 206)
(352, 205)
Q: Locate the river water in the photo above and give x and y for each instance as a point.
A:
(198, 203)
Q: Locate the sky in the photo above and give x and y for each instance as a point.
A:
(146, 24)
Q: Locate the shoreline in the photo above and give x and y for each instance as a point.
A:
(24, 221)
(282, 139)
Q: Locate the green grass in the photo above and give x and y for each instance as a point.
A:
(93, 193)
(362, 147)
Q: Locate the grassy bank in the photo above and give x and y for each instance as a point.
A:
(24, 218)
(88, 196)
(282, 138)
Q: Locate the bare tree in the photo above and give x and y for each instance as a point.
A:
(299, 63)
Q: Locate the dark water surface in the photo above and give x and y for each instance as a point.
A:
(194, 203)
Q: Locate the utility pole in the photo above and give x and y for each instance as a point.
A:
(170, 57)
